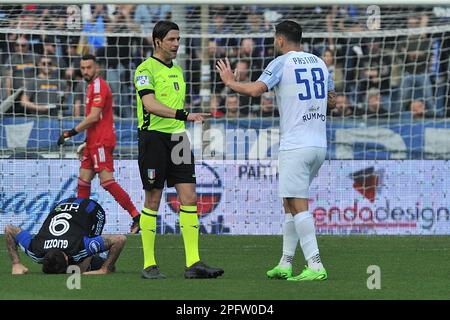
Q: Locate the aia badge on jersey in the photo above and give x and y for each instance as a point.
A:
(142, 81)
(176, 86)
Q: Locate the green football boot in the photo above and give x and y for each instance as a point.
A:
(309, 274)
(280, 273)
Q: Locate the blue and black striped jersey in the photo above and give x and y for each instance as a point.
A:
(74, 226)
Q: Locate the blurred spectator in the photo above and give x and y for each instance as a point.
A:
(343, 107)
(72, 59)
(20, 66)
(247, 51)
(74, 84)
(116, 58)
(215, 110)
(376, 69)
(59, 65)
(267, 107)
(232, 106)
(254, 25)
(52, 17)
(96, 24)
(78, 98)
(334, 70)
(43, 94)
(349, 56)
(225, 46)
(417, 108)
(416, 83)
(242, 69)
(146, 15)
(374, 103)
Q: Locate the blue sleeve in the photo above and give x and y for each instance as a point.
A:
(94, 245)
(273, 73)
(330, 82)
(23, 239)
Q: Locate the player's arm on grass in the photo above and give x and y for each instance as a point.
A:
(84, 265)
(253, 89)
(115, 244)
(10, 236)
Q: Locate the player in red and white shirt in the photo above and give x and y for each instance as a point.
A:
(97, 155)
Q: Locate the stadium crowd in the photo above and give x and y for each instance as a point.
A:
(390, 76)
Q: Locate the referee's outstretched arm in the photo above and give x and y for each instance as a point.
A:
(155, 107)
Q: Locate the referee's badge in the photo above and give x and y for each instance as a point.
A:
(176, 86)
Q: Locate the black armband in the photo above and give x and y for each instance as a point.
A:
(144, 92)
(181, 115)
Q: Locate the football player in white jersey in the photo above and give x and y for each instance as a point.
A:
(303, 90)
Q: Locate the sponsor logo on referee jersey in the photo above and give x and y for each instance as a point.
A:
(268, 72)
(142, 81)
(176, 86)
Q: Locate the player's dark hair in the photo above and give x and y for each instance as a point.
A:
(162, 28)
(89, 57)
(291, 30)
(54, 262)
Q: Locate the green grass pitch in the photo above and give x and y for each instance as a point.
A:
(411, 268)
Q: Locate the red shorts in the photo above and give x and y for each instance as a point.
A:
(98, 158)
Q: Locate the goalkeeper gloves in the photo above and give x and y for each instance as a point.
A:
(66, 135)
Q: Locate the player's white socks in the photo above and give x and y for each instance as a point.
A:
(306, 231)
(290, 240)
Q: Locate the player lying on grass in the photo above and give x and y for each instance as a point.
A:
(70, 235)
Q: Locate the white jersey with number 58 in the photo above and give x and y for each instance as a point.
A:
(301, 82)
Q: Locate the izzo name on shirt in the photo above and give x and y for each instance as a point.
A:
(56, 243)
(314, 116)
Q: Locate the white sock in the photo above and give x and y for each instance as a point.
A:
(306, 231)
(290, 240)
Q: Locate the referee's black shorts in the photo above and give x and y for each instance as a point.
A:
(161, 158)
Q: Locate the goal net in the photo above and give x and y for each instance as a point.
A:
(388, 136)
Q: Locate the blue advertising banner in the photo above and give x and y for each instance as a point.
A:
(258, 138)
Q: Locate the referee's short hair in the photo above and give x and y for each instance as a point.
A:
(162, 28)
(54, 262)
